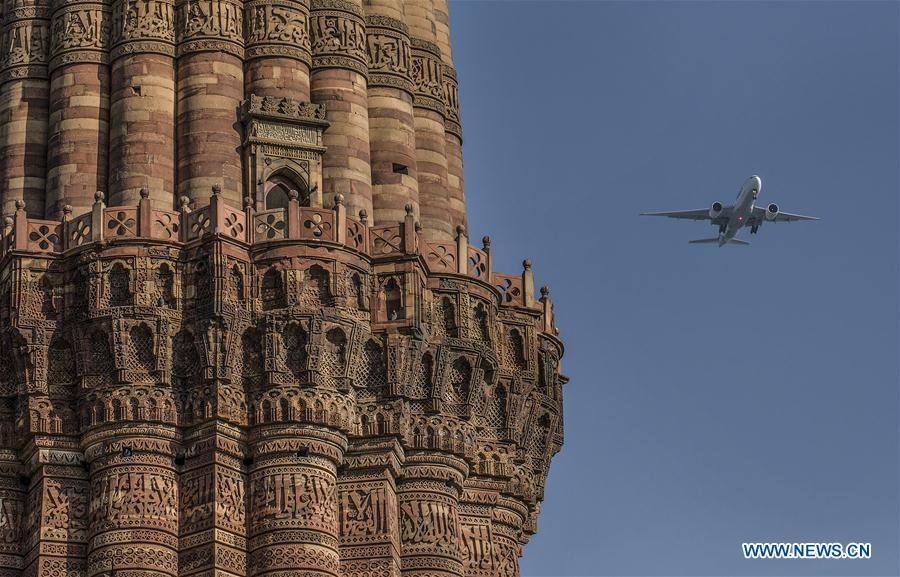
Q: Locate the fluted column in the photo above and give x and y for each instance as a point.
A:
(428, 107)
(340, 65)
(209, 90)
(293, 500)
(57, 509)
(133, 513)
(367, 495)
(12, 493)
(452, 128)
(508, 518)
(212, 486)
(475, 548)
(392, 130)
(142, 102)
(428, 494)
(278, 53)
(24, 101)
(77, 150)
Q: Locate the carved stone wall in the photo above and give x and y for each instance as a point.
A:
(125, 96)
(242, 330)
(335, 400)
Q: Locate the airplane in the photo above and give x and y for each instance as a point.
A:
(732, 218)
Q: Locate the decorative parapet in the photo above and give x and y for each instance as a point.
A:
(250, 228)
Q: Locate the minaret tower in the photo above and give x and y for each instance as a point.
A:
(243, 331)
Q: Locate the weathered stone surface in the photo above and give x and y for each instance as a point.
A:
(269, 350)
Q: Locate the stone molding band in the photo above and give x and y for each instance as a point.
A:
(79, 34)
(338, 34)
(209, 26)
(278, 28)
(25, 39)
(388, 45)
(142, 27)
(428, 90)
(450, 86)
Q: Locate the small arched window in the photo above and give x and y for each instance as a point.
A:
(277, 197)
(392, 300)
(165, 286)
(278, 188)
(119, 289)
(272, 290)
(448, 317)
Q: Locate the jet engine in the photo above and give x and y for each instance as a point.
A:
(715, 210)
(771, 211)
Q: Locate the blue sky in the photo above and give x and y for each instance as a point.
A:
(717, 395)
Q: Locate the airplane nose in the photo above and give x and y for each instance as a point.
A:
(756, 183)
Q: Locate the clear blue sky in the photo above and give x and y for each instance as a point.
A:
(717, 395)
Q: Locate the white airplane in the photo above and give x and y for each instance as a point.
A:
(733, 218)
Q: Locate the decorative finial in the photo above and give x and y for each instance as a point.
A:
(247, 201)
(145, 192)
(20, 204)
(526, 264)
(486, 242)
(99, 196)
(185, 201)
(408, 208)
(67, 209)
(363, 216)
(338, 199)
(216, 188)
(293, 194)
(545, 291)
(460, 229)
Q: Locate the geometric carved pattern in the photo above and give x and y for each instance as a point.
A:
(480, 321)
(315, 289)
(60, 364)
(230, 390)
(370, 370)
(185, 361)
(495, 414)
(457, 391)
(334, 357)
(423, 385)
(140, 350)
(251, 355)
(295, 341)
(119, 286)
(515, 349)
(316, 386)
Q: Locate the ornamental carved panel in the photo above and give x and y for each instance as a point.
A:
(263, 385)
(338, 35)
(279, 28)
(143, 26)
(215, 25)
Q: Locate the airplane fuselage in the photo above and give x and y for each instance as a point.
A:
(732, 218)
(742, 209)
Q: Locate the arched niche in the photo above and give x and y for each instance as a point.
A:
(277, 186)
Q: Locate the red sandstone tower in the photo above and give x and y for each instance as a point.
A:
(242, 329)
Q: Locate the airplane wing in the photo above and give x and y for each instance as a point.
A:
(759, 215)
(697, 214)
